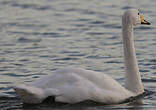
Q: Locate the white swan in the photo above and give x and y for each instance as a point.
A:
(72, 85)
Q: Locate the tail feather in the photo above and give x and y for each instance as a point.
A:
(29, 94)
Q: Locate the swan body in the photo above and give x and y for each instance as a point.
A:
(72, 85)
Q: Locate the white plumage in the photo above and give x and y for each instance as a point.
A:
(72, 85)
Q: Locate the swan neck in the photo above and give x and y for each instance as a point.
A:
(132, 78)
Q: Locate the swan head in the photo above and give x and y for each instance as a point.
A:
(133, 17)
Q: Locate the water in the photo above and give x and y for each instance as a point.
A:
(39, 36)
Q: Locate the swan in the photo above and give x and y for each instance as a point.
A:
(73, 85)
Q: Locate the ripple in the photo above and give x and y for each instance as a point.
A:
(112, 26)
(16, 75)
(141, 70)
(144, 28)
(97, 57)
(28, 40)
(127, 7)
(10, 103)
(153, 61)
(86, 11)
(28, 6)
(96, 22)
(83, 20)
(148, 80)
(21, 25)
(66, 58)
(96, 33)
(154, 73)
(116, 62)
(44, 34)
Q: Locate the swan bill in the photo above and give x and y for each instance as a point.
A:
(144, 21)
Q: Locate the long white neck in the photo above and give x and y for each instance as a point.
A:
(132, 79)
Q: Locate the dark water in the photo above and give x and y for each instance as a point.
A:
(39, 36)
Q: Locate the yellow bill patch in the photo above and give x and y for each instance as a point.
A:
(142, 19)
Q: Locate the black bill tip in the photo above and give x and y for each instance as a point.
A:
(146, 22)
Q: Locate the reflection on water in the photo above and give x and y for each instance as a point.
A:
(15, 103)
(37, 37)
